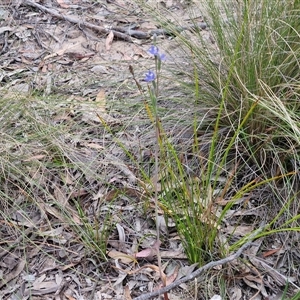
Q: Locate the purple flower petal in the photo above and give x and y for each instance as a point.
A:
(162, 56)
(153, 50)
(150, 76)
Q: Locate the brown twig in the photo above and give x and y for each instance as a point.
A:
(119, 32)
(77, 21)
(195, 273)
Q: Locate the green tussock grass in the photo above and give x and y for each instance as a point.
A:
(248, 142)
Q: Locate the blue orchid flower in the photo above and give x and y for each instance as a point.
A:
(155, 51)
(150, 76)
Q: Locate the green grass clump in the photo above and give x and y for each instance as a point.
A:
(257, 71)
(248, 143)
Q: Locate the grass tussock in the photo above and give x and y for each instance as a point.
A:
(256, 72)
(247, 74)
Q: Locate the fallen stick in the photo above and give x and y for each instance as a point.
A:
(119, 32)
(77, 21)
(195, 273)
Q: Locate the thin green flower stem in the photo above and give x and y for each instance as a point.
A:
(156, 172)
(153, 96)
(157, 69)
